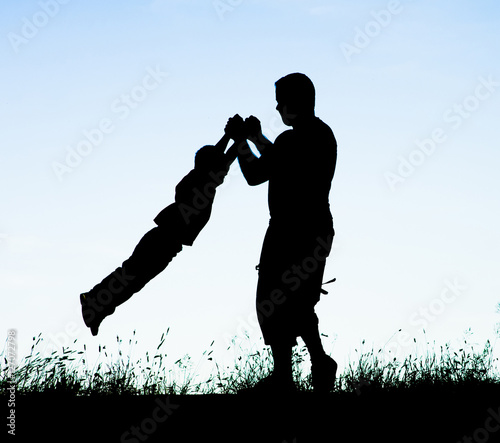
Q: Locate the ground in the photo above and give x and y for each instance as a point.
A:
(461, 414)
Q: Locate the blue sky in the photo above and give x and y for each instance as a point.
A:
(411, 90)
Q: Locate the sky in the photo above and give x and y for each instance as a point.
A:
(104, 105)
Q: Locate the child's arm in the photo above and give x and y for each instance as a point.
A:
(223, 142)
(231, 154)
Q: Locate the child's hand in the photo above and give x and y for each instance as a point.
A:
(235, 128)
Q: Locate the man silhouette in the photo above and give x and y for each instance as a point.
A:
(299, 167)
(178, 224)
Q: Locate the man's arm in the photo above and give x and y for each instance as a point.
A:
(254, 168)
(255, 135)
(261, 142)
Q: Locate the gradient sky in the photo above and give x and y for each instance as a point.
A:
(411, 90)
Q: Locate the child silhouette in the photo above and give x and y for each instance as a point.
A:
(177, 225)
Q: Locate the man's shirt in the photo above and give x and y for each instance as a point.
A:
(300, 166)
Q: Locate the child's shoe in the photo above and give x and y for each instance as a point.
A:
(92, 315)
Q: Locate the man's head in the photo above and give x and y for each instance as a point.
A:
(296, 96)
(208, 158)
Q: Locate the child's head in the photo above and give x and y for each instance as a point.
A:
(208, 158)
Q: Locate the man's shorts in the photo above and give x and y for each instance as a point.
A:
(291, 269)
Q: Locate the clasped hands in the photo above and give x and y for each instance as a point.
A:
(239, 129)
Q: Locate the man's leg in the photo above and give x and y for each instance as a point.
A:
(271, 323)
(306, 318)
(323, 367)
(271, 312)
(282, 356)
(312, 339)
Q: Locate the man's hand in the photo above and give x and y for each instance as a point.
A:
(236, 128)
(253, 128)
(254, 134)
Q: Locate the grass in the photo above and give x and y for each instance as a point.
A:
(68, 371)
(442, 368)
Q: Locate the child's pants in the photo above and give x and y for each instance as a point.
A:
(150, 257)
